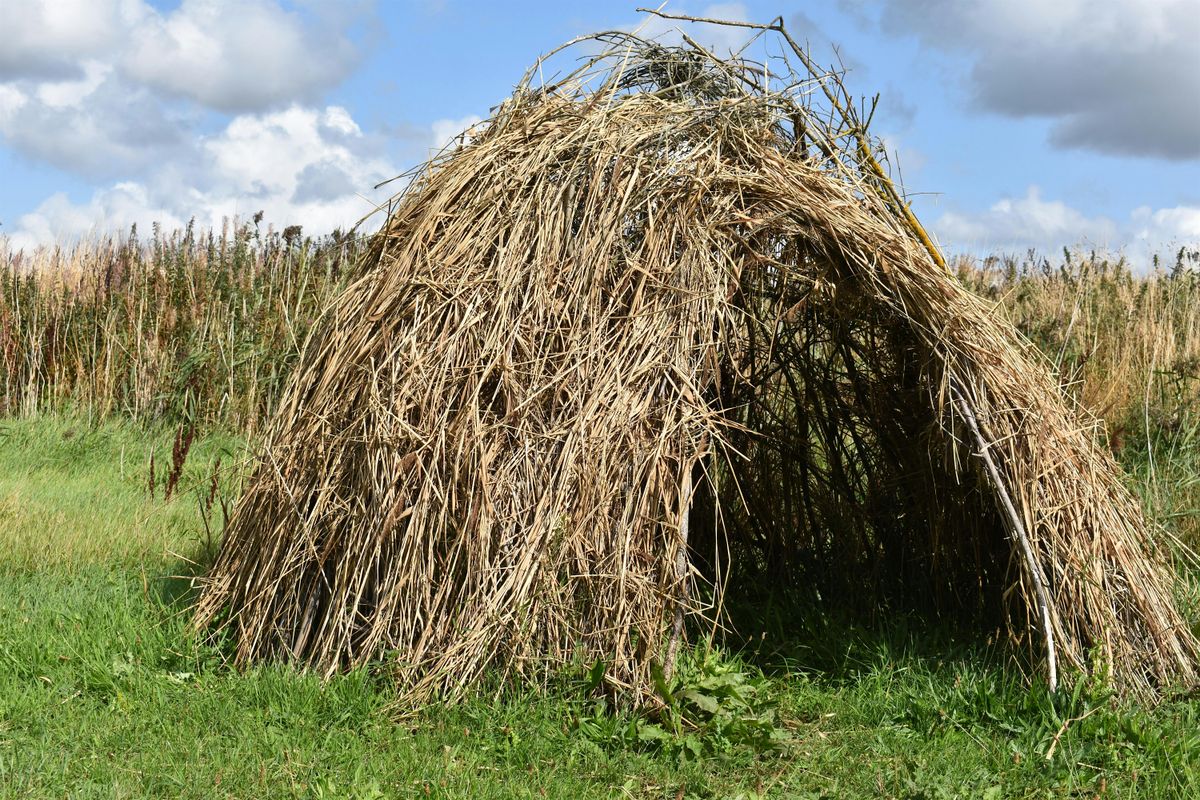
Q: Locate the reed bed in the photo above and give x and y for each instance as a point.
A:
(182, 326)
(659, 331)
(1125, 344)
(1110, 332)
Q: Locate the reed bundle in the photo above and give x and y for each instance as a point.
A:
(656, 331)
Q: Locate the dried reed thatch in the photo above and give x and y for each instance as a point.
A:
(663, 328)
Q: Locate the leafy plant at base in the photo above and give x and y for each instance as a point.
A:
(713, 704)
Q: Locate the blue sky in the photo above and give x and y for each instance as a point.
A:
(1017, 123)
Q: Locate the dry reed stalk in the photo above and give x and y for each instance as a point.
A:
(485, 458)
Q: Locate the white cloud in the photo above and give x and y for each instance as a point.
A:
(96, 126)
(1179, 224)
(1119, 77)
(73, 91)
(312, 167)
(1018, 224)
(241, 56)
(111, 89)
(324, 180)
(267, 155)
(228, 55)
(58, 219)
(12, 100)
(52, 38)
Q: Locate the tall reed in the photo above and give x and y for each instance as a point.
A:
(202, 326)
(207, 325)
(1126, 346)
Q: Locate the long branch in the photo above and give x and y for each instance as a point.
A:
(1031, 564)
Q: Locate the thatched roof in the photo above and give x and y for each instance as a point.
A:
(655, 331)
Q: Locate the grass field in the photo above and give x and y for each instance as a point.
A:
(104, 693)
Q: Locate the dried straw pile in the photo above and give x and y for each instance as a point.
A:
(660, 330)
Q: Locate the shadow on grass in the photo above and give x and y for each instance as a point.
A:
(785, 636)
(178, 586)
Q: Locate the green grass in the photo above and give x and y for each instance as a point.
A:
(104, 692)
(74, 493)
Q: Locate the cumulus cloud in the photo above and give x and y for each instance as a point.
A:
(1033, 221)
(228, 55)
(50, 39)
(106, 88)
(97, 125)
(201, 109)
(12, 100)
(69, 92)
(325, 180)
(313, 167)
(270, 156)
(1029, 221)
(241, 56)
(58, 219)
(1119, 77)
(1179, 224)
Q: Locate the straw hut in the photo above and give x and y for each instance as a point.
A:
(655, 333)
